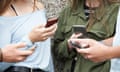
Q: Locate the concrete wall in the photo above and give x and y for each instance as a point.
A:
(54, 7)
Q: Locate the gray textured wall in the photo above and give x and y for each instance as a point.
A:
(54, 7)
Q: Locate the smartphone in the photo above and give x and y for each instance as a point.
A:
(75, 44)
(80, 29)
(50, 22)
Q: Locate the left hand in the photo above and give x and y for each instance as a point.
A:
(95, 51)
(74, 36)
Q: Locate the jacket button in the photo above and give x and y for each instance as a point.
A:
(75, 58)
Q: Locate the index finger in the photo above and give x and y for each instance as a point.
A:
(83, 51)
(40, 26)
(19, 45)
(27, 52)
(49, 29)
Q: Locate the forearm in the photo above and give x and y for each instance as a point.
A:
(115, 52)
(108, 41)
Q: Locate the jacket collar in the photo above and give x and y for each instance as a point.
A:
(80, 11)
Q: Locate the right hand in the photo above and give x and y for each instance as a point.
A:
(12, 53)
(94, 50)
(40, 33)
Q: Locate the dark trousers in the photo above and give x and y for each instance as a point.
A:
(22, 69)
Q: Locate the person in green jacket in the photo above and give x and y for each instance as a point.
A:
(99, 17)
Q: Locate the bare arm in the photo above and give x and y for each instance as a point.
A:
(108, 41)
(115, 52)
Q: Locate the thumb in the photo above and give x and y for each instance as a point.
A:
(83, 51)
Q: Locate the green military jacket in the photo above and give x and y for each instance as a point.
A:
(103, 27)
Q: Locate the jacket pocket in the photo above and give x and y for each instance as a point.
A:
(68, 29)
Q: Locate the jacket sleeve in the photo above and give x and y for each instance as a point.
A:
(59, 46)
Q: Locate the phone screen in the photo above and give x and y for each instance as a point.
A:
(80, 29)
(51, 22)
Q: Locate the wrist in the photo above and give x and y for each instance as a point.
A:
(29, 41)
(111, 53)
(31, 38)
(115, 52)
(1, 55)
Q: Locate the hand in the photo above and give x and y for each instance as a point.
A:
(93, 50)
(74, 36)
(12, 53)
(40, 33)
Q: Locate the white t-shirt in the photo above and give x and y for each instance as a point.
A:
(16, 29)
(115, 63)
